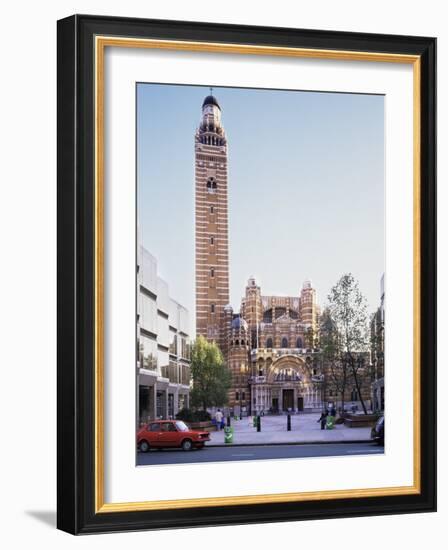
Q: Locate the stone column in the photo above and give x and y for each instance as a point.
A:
(166, 404)
(176, 401)
(154, 401)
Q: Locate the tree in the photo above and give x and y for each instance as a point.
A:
(310, 338)
(348, 310)
(211, 377)
(331, 355)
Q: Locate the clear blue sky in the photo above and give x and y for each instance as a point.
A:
(306, 187)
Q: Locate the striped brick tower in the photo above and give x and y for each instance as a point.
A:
(212, 245)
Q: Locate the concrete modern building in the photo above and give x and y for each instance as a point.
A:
(163, 352)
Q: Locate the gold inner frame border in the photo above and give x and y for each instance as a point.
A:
(101, 42)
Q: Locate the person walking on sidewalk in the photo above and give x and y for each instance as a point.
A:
(323, 419)
(219, 417)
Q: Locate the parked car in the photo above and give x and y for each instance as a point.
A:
(170, 433)
(377, 433)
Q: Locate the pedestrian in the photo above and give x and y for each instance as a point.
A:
(219, 417)
(333, 411)
(323, 419)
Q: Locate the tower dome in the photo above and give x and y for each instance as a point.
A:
(251, 282)
(211, 100)
(239, 323)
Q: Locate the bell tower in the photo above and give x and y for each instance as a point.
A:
(211, 224)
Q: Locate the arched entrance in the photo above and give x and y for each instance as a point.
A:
(290, 386)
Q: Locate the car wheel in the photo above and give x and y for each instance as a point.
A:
(187, 445)
(144, 446)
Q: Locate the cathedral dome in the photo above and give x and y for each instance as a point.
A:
(211, 100)
(239, 323)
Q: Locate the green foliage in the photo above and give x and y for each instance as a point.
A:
(331, 354)
(347, 309)
(211, 378)
(188, 415)
(347, 338)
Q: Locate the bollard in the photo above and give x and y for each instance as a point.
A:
(288, 423)
(228, 421)
(258, 423)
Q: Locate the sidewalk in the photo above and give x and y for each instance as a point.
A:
(305, 428)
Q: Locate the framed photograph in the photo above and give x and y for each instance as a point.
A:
(246, 261)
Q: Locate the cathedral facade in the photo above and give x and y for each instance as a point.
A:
(271, 352)
(270, 344)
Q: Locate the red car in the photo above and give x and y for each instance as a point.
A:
(170, 433)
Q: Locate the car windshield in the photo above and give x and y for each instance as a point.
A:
(181, 426)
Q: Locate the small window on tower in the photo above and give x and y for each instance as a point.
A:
(211, 185)
(212, 308)
(212, 272)
(212, 240)
(212, 209)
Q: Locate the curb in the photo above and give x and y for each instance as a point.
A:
(358, 441)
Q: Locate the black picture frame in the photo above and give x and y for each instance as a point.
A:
(76, 275)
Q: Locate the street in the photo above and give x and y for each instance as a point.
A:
(255, 452)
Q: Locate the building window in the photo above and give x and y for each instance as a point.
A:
(212, 185)
(237, 395)
(269, 343)
(212, 240)
(212, 308)
(285, 343)
(299, 343)
(212, 209)
(212, 272)
(243, 396)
